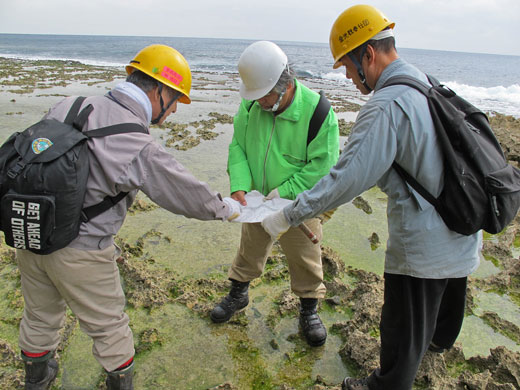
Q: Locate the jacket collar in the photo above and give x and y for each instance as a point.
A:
(126, 100)
(293, 112)
(388, 72)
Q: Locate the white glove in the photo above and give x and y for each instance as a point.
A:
(272, 195)
(233, 208)
(276, 224)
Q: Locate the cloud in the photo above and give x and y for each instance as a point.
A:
(487, 26)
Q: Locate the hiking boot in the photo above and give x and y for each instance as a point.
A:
(312, 327)
(40, 372)
(236, 299)
(121, 379)
(354, 384)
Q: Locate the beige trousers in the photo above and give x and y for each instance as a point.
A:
(89, 283)
(303, 257)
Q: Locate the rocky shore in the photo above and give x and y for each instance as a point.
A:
(260, 348)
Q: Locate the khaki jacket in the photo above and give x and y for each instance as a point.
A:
(131, 162)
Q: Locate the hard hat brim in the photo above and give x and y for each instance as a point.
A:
(185, 99)
(253, 94)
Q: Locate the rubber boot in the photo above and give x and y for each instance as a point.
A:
(237, 299)
(40, 371)
(121, 379)
(312, 327)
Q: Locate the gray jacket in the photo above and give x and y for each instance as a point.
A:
(131, 162)
(395, 124)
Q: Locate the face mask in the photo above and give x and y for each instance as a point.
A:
(275, 106)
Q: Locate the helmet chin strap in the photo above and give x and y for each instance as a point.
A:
(356, 62)
(163, 109)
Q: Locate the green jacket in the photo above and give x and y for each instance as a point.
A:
(269, 152)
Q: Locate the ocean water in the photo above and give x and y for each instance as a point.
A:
(491, 82)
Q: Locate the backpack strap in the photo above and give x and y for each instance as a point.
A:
(410, 82)
(82, 117)
(415, 184)
(109, 201)
(74, 109)
(120, 128)
(424, 89)
(93, 211)
(320, 113)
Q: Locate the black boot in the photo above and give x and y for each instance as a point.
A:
(236, 299)
(121, 379)
(40, 371)
(312, 327)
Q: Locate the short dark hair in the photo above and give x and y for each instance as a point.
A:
(147, 83)
(385, 45)
(142, 80)
(287, 77)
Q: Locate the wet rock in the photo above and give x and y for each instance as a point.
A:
(12, 379)
(345, 106)
(10, 357)
(374, 241)
(144, 286)
(501, 325)
(276, 268)
(503, 364)
(201, 295)
(225, 386)
(362, 204)
(507, 130)
(362, 349)
(334, 301)
(333, 265)
(148, 339)
(142, 205)
(287, 303)
(181, 138)
(345, 127)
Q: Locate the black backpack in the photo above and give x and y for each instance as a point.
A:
(43, 177)
(481, 190)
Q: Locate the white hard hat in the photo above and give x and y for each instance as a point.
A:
(260, 67)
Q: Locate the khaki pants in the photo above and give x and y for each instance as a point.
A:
(86, 281)
(303, 257)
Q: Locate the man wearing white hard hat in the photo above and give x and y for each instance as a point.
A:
(272, 152)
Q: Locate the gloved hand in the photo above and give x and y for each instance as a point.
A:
(272, 195)
(276, 224)
(233, 208)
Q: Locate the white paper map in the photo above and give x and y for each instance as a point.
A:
(257, 208)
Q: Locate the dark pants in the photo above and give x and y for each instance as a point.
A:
(415, 312)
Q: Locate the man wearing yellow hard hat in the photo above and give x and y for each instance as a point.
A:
(426, 264)
(84, 275)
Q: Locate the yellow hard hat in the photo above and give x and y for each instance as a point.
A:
(167, 66)
(355, 26)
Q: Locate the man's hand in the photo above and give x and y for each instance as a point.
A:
(233, 208)
(276, 224)
(272, 195)
(240, 197)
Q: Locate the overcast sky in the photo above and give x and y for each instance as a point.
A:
(481, 26)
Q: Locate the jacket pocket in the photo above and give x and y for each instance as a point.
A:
(297, 161)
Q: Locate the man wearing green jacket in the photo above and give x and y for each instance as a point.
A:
(270, 153)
